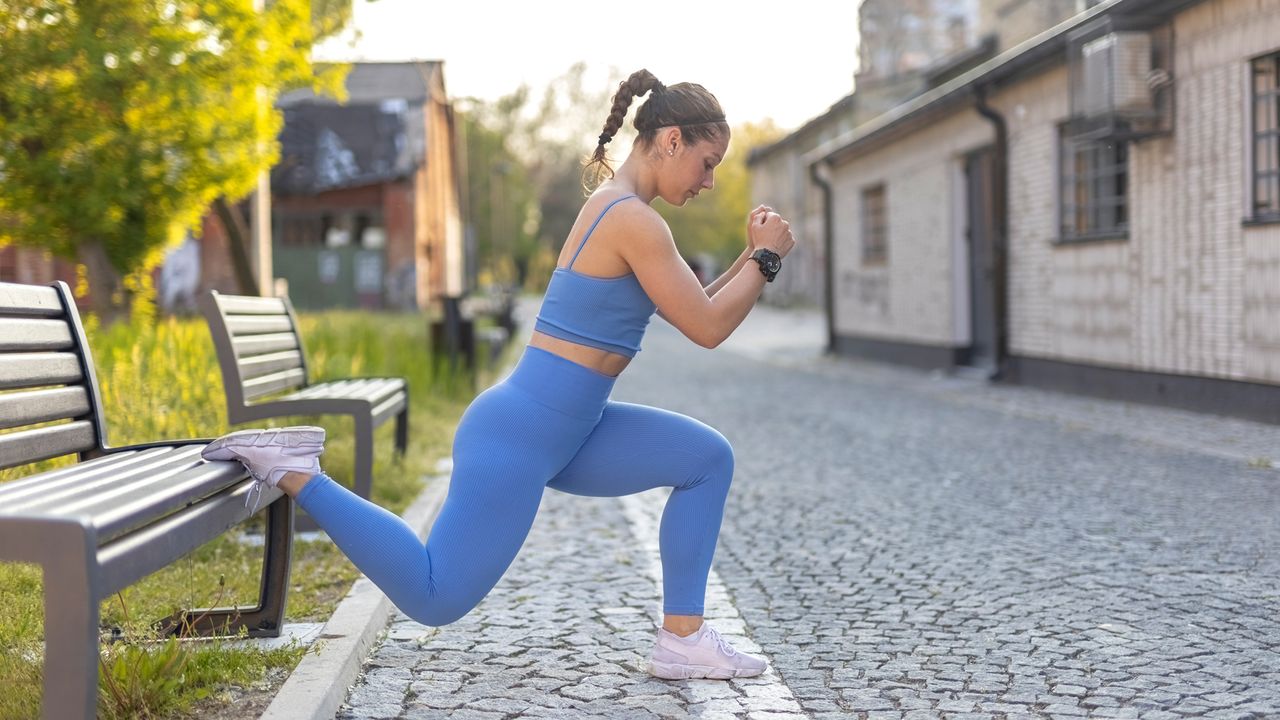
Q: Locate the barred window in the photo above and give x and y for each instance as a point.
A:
(875, 231)
(1266, 137)
(1095, 188)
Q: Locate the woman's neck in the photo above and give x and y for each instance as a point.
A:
(636, 175)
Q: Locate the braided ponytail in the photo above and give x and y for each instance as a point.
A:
(641, 82)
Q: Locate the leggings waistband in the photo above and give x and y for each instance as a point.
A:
(561, 384)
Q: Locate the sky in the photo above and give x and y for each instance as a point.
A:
(788, 60)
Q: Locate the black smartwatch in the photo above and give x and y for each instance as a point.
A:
(769, 261)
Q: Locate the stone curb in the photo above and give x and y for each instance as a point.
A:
(316, 689)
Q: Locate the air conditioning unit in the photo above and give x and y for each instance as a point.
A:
(1121, 86)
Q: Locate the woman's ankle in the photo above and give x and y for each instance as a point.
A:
(293, 482)
(682, 625)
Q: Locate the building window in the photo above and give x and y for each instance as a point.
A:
(1266, 138)
(300, 230)
(1095, 188)
(875, 231)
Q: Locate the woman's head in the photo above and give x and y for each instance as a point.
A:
(683, 120)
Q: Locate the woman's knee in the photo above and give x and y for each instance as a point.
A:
(437, 612)
(717, 456)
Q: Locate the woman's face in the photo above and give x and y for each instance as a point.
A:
(690, 169)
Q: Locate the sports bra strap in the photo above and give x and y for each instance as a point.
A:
(593, 227)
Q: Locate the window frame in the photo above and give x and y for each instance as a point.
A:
(1087, 185)
(875, 226)
(1259, 137)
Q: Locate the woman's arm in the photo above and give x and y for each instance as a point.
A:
(707, 320)
(743, 258)
(727, 275)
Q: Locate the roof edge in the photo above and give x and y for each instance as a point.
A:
(1022, 58)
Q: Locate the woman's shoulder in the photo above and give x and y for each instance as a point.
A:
(624, 205)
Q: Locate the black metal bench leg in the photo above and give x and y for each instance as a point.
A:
(70, 630)
(363, 481)
(267, 618)
(402, 430)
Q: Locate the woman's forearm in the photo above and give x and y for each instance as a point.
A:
(729, 274)
(732, 303)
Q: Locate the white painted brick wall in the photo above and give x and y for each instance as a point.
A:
(910, 297)
(1192, 291)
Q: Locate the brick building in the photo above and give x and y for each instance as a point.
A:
(906, 48)
(365, 198)
(1097, 208)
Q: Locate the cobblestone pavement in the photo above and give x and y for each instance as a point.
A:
(901, 546)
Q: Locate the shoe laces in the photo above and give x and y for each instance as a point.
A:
(255, 491)
(255, 495)
(723, 644)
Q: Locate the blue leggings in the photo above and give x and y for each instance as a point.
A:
(548, 424)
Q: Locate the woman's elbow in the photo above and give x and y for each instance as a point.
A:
(709, 340)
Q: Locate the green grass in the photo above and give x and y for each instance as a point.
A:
(160, 380)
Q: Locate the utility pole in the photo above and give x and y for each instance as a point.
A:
(260, 212)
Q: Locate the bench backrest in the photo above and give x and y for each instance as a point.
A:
(258, 345)
(46, 376)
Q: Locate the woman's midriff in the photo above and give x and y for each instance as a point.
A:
(602, 361)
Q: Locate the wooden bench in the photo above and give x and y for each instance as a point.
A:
(261, 354)
(117, 514)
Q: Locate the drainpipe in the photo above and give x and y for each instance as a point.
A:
(1000, 230)
(829, 272)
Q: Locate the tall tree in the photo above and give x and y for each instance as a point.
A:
(122, 120)
(501, 205)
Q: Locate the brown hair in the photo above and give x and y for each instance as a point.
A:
(688, 106)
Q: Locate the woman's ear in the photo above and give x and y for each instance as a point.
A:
(669, 141)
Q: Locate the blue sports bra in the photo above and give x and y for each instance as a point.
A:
(606, 313)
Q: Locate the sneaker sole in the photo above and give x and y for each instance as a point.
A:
(296, 436)
(669, 671)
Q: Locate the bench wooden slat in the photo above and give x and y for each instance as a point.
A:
(392, 405)
(174, 489)
(29, 301)
(245, 305)
(21, 370)
(28, 446)
(275, 382)
(260, 365)
(323, 390)
(259, 344)
(65, 497)
(35, 406)
(377, 389)
(16, 492)
(29, 335)
(258, 324)
(349, 389)
(372, 389)
(138, 493)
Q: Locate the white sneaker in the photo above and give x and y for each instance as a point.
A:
(704, 654)
(269, 454)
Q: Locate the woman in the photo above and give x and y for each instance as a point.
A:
(550, 423)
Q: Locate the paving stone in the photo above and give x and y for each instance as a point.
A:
(585, 691)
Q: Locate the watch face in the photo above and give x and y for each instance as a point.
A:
(774, 263)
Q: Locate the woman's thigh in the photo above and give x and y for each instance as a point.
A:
(505, 450)
(636, 448)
